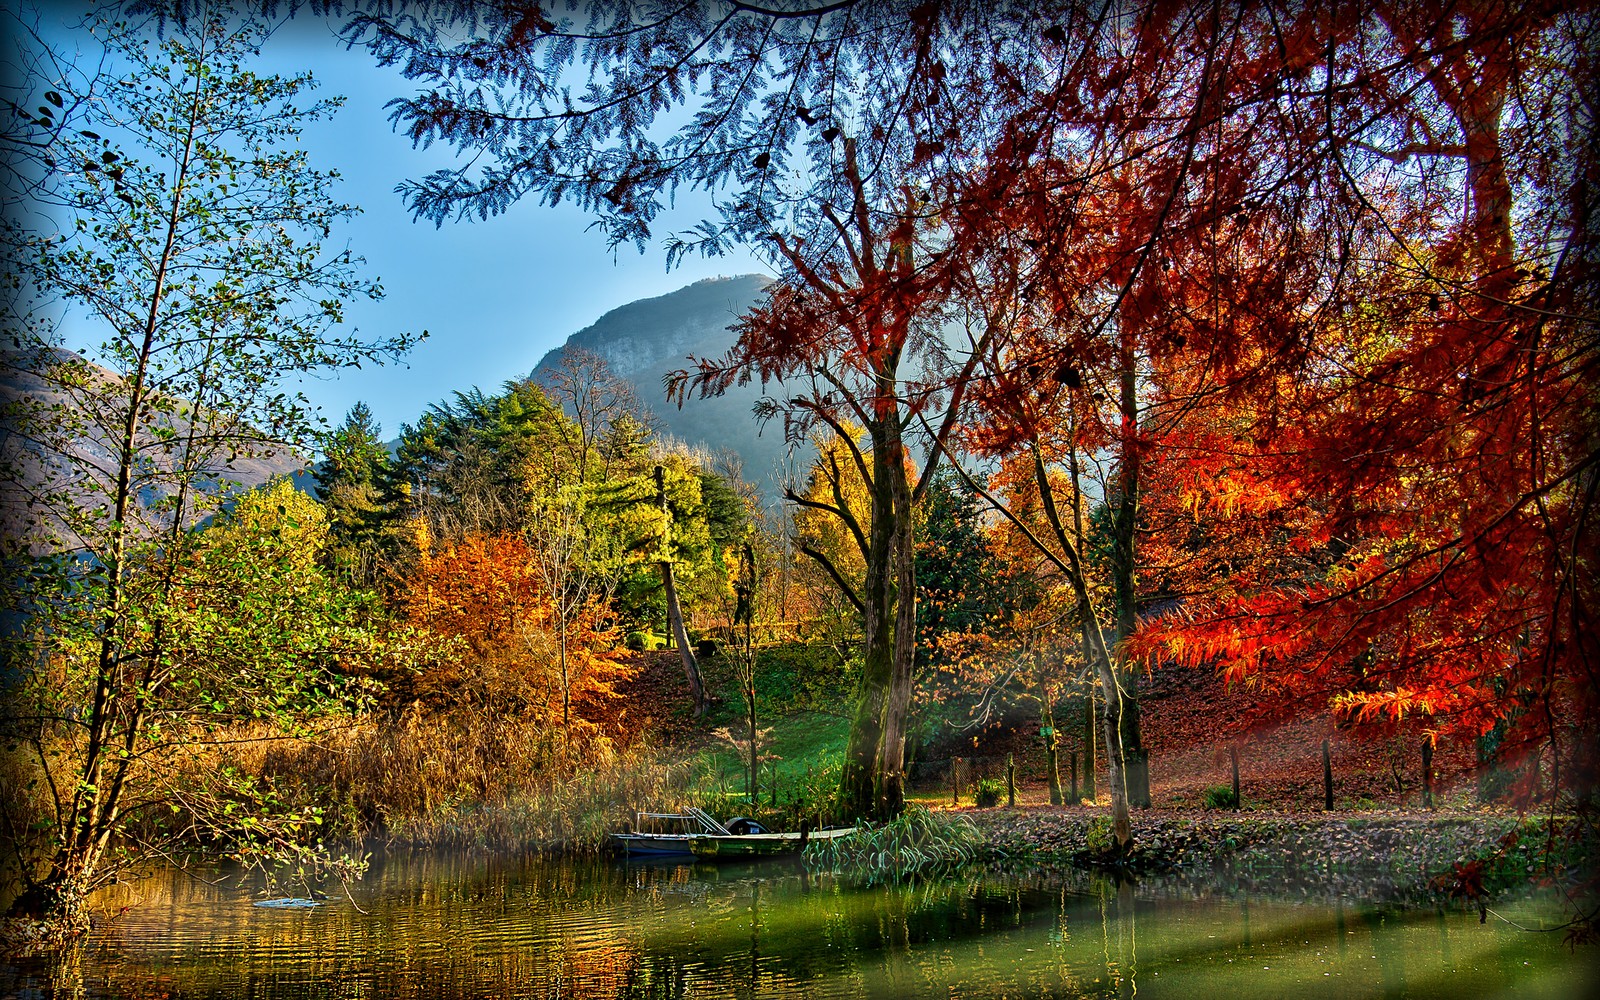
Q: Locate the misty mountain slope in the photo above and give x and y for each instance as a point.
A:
(644, 340)
(29, 469)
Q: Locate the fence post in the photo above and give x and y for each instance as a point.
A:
(1233, 756)
(1088, 746)
(955, 781)
(1427, 772)
(1327, 778)
(1011, 782)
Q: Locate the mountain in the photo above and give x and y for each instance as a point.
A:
(644, 340)
(28, 468)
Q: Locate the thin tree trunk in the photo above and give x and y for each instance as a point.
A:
(566, 685)
(1088, 746)
(1052, 742)
(1327, 777)
(95, 807)
(691, 668)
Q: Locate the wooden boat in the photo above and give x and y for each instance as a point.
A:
(668, 833)
(695, 832)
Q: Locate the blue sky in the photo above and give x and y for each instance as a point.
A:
(494, 295)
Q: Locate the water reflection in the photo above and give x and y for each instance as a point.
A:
(472, 926)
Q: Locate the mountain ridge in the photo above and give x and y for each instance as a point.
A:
(644, 340)
(32, 469)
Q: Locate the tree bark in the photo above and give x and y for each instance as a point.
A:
(1124, 542)
(1327, 777)
(96, 803)
(873, 783)
(1052, 743)
(691, 668)
(1088, 746)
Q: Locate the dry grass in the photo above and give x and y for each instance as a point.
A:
(463, 779)
(446, 779)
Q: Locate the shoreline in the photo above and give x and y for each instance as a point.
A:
(1464, 855)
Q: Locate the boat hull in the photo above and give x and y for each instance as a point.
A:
(653, 843)
(758, 844)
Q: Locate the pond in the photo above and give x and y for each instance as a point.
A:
(460, 926)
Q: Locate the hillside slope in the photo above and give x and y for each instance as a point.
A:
(29, 468)
(645, 340)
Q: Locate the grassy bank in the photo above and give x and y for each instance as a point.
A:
(803, 732)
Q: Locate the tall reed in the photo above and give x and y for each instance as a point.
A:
(464, 780)
(917, 842)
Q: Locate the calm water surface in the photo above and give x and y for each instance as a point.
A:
(429, 926)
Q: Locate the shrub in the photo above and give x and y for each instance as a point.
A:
(705, 648)
(1219, 797)
(1100, 838)
(916, 841)
(637, 641)
(989, 791)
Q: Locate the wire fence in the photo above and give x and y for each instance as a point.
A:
(957, 775)
(930, 773)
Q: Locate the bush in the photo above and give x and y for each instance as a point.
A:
(989, 791)
(1219, 797)
(915, 842)
(705, 648)
(636, 641)
(1100, 838)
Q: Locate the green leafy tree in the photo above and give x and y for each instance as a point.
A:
(245, 636)
(464, 466)
(169, 205)
(350, 482)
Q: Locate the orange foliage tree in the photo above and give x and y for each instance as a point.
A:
(500, 633)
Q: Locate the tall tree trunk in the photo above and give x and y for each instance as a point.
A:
(96, 802)
(750, 716)
(1124, 541)
(566, 683)
(691, 668)
(1110, 712)
(1088, 746)
(1052, 742)
(873, 783)
(892, 748)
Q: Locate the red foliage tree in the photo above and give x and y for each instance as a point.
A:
(1436, 458)
(1237, 223)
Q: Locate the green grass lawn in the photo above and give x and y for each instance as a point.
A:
(803, 743)
(801, 752)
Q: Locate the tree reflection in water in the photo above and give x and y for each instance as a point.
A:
(467, 926)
